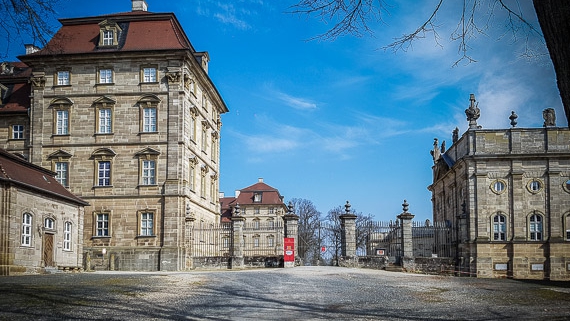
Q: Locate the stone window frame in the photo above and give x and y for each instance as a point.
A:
(214, 146)
(204, 140)
(256, 240)
(213, 187)
(50, 223)
(68, 236)
(148, 102)
(107, 227)
(60, 156)
(193, 163)
(27, 234)
(99, 156)
(193, 122)
(107, 26)
(62, 77)
(534, 234)
(270, 240)
(505, 225)
(271, 223)
(99, 76)
(493, 186)
(256, 223)
(535, 185)
(57, 105)
(143, 69)
(142, 220)
(566, 226)
(104, 103)
(146, 155)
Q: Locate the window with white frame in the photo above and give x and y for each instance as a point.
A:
(63, 78)
(147, 223)
(148, 172)
(104, 173)
(256, 224)
(102, 224)
(62, 173)
(27, 229)
(49, 223)
(256, 241)
(149, 74)
(17, 131)
(105, 121)
(257, 198)
(271, 241)
(499, 227)
(62, 122)
(272, 210)
(271, 223)
(226, 242)
(535, 227)
(67, 236)
(149, 120)
(108, 37)
(105, 76)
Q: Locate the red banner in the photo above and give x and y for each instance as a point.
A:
(289, 249)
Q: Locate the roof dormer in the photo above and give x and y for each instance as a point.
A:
(109, 34)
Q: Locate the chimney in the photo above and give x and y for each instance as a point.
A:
(260, 180)
(139, 5)
(31, 49)
(237, 194)
(222, 195)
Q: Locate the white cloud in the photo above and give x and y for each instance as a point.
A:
(296, 102)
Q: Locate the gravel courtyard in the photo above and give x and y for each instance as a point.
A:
(301, 293)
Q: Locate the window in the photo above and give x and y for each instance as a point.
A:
(257, 198)
(534, 186)
(147, 224)
(256, 210)
(567, 185)
(63, 78)
(27, 229)
(498, 186)
(535, 227)
(108, 37)
(192, 178)
(270, 241)
(225, 242)
(105, 76)
(149, 120)
(193, 124)
(102, 224)
(67, 236)
(271, 224)
(17, 131)
(105, 121)
(499, 227)
(256, 241)
(567, 226)
(104, 173)
(204, 135)
(149, 74)
(49, 223)
(148, 172)
(256, 224)
(272, 210)
(62, 122)
(62, 173)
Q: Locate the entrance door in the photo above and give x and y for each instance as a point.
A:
(48, 250)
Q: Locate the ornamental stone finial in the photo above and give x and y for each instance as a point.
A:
(405, 206)
(347, 207)
(291, 208)
(513, 119)
(455, 135)
(473, 112)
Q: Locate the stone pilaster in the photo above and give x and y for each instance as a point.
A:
(405, 218)
(237, 243)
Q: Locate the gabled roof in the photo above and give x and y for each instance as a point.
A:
(15, 89)
(16, 170)
(141, 31)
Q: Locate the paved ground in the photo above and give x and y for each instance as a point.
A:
(302, 293)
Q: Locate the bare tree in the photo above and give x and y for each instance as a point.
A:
(356, 17)
(27, 21)
(307, 230)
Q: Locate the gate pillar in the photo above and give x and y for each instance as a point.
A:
(407, 246)
(237, 242)
(291, 224)
(348, 233)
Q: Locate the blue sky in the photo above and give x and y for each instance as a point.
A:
(332, 121)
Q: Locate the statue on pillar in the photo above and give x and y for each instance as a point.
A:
(473, 112)
(549, 116)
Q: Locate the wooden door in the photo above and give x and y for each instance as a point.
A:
(48, 250)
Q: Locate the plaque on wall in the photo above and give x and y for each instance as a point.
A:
(537, 267)
(501, 266)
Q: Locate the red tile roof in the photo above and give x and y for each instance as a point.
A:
(141, 31)
(14, 76)
(16, 170)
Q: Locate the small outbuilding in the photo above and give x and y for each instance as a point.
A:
(41, 222)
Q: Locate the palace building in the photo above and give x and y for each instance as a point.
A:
(506, 192)
(122, 109)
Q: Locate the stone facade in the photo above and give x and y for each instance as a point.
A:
(41, 223)
(124, 111)
(506, 192)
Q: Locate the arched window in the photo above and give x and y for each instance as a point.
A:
(499, 227)
(67, 236)
(27, 229)
(535, 227)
